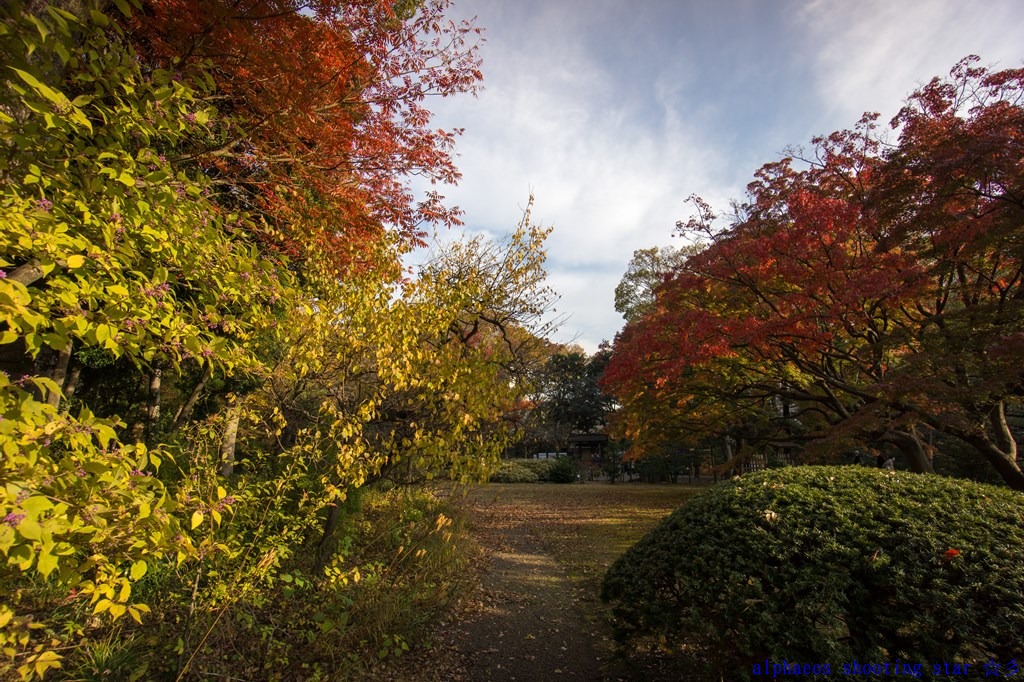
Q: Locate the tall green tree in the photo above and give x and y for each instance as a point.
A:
(568, 399)
(647, 270)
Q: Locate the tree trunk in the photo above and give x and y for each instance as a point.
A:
(337, 511)
(1001, 452)
(913, 449)
(1004, 461)
(71, 384)
(150, 411)
(227, 448)
(185, 409)
(58, 375)
(26, 273)
(1004, 439)
(324, 548)
(153, 413)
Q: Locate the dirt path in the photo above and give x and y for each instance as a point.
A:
(528, 625)
(535, 614)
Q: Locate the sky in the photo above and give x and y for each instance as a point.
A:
(613, 112)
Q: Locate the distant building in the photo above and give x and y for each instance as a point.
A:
(588, 449)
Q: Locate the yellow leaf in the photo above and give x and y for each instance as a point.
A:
(76, 261)
(44, 661)
(197, 518)
(138, 569)
(30, 529)
(46, 563)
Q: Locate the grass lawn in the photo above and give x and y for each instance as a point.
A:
(586, 526)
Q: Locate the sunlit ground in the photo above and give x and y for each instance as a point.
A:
(586, 526)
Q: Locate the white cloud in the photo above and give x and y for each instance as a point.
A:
(869, 55)
(612, 115)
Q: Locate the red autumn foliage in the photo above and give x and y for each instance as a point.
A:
(880, 285)
(326, 99)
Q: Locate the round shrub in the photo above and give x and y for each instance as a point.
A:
(541, 467)
(830, 565)
(562, 471)
(513, 471)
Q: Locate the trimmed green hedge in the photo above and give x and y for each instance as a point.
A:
(560, 470)
(830, 564)
(514, 471)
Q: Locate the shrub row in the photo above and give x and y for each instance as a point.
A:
(560, 470)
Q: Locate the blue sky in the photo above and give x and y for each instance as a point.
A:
(613, 112)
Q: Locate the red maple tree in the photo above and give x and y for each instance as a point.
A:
(326, 122)
(879, 286)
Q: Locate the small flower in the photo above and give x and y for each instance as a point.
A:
(115, 217)
(13, 519)
(44, 205)
(190, 117)
(80, 472)
(3, 275)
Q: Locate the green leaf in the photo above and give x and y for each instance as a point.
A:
(43, 89)
(99, 18)
(124, 7)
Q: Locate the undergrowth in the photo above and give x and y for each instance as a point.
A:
(402, 558)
